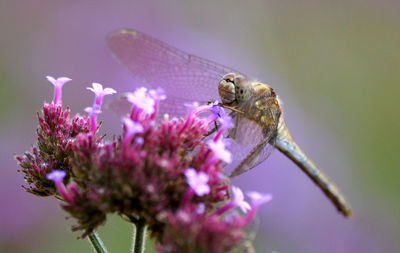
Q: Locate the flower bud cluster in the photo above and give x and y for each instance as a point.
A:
(55, 136)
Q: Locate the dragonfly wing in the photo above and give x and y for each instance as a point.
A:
(157, 64)
(256, 156)
(249, 146)
(184, 77)
(174, 107)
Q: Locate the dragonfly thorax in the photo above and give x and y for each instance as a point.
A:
(234, 88)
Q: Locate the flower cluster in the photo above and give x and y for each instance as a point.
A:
(212, 230)
(55, 136)
(164, 171)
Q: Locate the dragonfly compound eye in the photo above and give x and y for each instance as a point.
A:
(242, 88)
(226, 90)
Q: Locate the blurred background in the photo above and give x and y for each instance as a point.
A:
(335, 65)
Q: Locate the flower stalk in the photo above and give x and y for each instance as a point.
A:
(139, 236)
(96, 242)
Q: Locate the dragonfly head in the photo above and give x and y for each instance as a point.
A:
(234, 87)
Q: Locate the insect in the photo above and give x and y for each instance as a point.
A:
(257, 116)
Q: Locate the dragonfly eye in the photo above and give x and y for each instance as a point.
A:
(242, 88)
(226, 90)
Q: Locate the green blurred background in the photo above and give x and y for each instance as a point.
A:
(335, 65)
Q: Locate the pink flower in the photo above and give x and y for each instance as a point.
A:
(191, 106)
(259, 198)
(197, 181)
(58, 84)
(132, 128)
(100, 92)
(238, 199)
(57, 177)
(226, 122)
(216, 109)
(141, 99)
(93, 111)
(157, 94)
(218, 147)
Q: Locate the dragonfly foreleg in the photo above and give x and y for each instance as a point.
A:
(211, 131)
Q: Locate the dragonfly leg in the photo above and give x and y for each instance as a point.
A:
(213, 130)
(233, 131)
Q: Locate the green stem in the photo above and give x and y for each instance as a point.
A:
(133, 218)
(97, 243)
(139, 234)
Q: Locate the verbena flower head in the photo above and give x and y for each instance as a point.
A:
(55, 134)
(165, 172)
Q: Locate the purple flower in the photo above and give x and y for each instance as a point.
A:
(216, 109)
(198, 181)
(191, 106)
(132, 128)
(195, 108)
(58, 83)
(238, 199)
(157, 94)
(100, 92)
(200, 208)
(93, 111)
(226, 122)
(259, 198)
(57, 177)
(218, 147)
(139, 141)
(141, 99)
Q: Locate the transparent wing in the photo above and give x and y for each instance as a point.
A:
(157, 64)
(185, 78)
(174, 107)
(254, 157)
(249, 146)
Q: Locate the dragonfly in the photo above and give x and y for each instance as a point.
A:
(259, 126)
